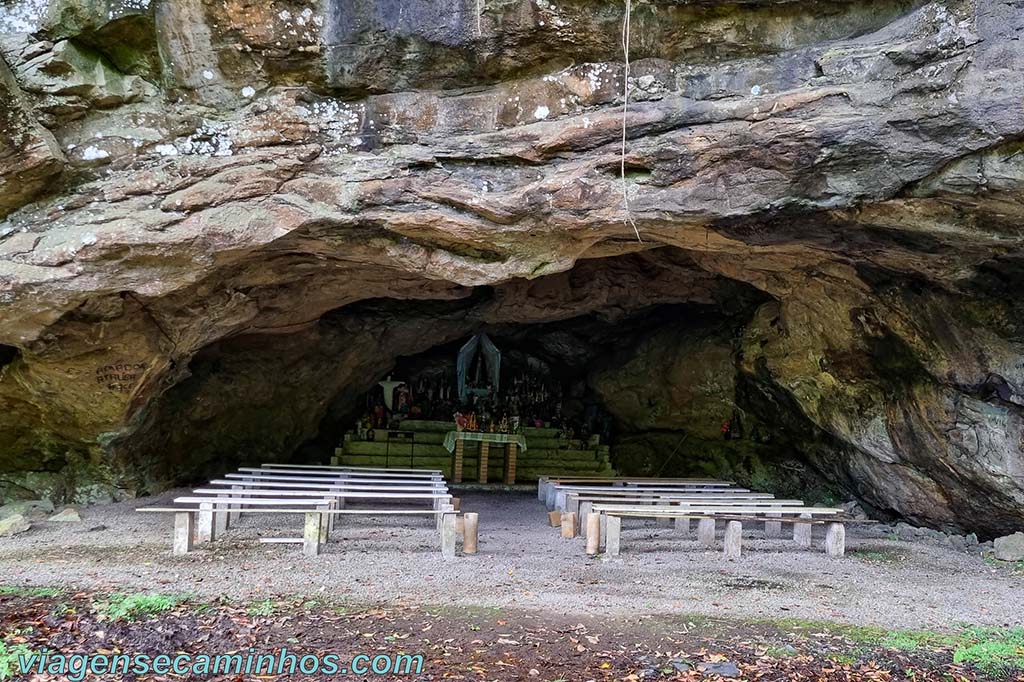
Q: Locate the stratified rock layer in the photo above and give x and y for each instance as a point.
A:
(224, 195)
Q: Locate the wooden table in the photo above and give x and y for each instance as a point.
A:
(455, 443)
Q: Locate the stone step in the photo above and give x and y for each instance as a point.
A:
(533, 432)
(495, 466)
(427, 426)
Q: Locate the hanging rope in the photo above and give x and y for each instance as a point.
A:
(628, 219)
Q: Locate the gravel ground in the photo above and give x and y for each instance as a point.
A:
(524, 563)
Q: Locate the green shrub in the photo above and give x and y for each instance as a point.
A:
(130, 607)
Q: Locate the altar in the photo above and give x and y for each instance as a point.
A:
(455, 443)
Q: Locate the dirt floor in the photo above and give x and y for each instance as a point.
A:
(664, 605)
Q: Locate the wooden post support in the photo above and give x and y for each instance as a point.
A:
(835, 539)
(184, 532)
(593, 527)
(555, 518)
(683, 526)
(568, 522)
(542, 488)
(460, 524)
(440, 517)
(773, 529)
(585, 510)
(511, 452)
(220, 517)
(324, 530)
(471, 528)
(448, 535)
(802, 532)
(311, 534)
(205, 531)
(613, 543)
(457, 503)
(706, 532)
(460, 453)
(664, 521)
(604, 532)
(571, 504)
(733, 540)
(233, 516)
(485, 450)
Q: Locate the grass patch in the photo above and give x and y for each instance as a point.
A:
(263, 607)
(10, 655)
(1015, 566)
(25, 591)
(908, 640)
(131, 607)
(995, 651)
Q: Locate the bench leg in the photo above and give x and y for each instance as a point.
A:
(593, 525)
(586, 508)
(568, 522)
(683, 526)
(220, 517)
(614, 535)
(440, 517)
(773, 529)
(802, 532)
(603, 535)
(184, 532)
(325, 532)
(835, 539)
(572, 505)
(664, 521)
(311, 534)
(448, 535)
(470, 530)
(733, 540)
(235, 514)
(706, 532)
(205, 531)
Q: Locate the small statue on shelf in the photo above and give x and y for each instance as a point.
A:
(503, 424)
(461, 422)
(472, 424)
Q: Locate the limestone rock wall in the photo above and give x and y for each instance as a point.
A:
(179, 177)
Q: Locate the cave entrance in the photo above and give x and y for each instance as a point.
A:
(637, 364)
(511, 388)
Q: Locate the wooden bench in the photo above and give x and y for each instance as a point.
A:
(564, 496)
(331, 478)
(411, 473)
(580, 506)
(546, 482)
(339, 496)
(556, 490)
(315, 528)
(344, 473)
(802, 518)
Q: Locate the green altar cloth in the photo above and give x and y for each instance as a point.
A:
(452, 436)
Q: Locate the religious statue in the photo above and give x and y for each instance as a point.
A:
(461, 422)
(403, 399)
(389, 387)
(503, 424)
(472, 424)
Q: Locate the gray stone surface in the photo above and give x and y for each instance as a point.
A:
(1009, 547)
(69, 515)
(13, 524)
